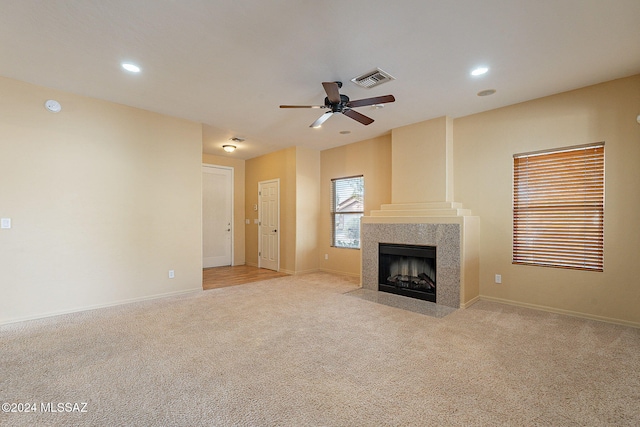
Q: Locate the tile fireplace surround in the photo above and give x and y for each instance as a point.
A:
(449, 240)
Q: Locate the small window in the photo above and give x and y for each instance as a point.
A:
(558, 208)
(347, 207)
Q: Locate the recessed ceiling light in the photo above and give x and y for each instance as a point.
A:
(486, 92)
(131, 67)
(479, 71)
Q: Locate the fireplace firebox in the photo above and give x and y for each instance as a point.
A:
(408, 270)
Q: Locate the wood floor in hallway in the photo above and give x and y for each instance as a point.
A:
(221, 277)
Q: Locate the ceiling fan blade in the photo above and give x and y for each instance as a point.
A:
(303, 106)
(333, 92)
(371, 101)
(358, 117)
(323, 118)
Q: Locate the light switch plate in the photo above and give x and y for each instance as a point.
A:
(5, 223)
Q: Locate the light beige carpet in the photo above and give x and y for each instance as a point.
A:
(298, 351)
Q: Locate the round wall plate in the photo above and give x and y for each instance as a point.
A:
(53, 106)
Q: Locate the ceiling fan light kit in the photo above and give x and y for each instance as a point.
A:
(339, 103)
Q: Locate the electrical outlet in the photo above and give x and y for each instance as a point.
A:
(498, 278)
(172, 274)
(5, 223)
(326, 256)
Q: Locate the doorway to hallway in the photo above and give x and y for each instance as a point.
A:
(217, 216)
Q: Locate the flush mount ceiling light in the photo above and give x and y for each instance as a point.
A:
(479, 71)
(345, 132)
(230, 148)
(131, 67)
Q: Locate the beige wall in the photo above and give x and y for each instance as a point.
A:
(483, 148)
(422, 164)
(278, 165)
(371, 158)
(104, 199)
(239, 226)
(307, 208)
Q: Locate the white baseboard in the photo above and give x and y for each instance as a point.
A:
(316, 270)
(561, 311)
(326, 270)
(283, 270)
(470, 302)
(313, 270)
(97, 306)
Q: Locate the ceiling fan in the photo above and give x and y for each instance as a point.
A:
(338, 103)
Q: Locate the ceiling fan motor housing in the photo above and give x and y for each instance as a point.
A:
(338, 106)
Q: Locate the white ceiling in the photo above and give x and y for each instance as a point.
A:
(230, 64)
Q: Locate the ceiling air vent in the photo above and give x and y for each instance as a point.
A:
(373, 78)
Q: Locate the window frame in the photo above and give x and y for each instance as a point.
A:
(558, 208)
(334, 212)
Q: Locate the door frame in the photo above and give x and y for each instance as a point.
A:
(260, 183)
(233, 228)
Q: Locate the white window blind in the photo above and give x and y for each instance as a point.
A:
(347, 207)
(558, 208)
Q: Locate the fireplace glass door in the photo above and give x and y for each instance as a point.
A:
(408, 270)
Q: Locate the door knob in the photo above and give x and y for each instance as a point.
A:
(275, 231)
(228, 229)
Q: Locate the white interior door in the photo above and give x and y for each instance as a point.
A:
(269, 225)
(217, 214)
